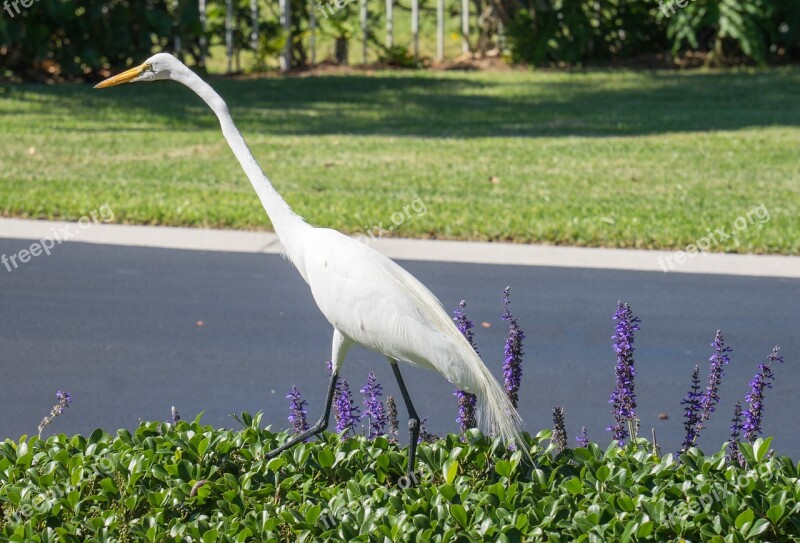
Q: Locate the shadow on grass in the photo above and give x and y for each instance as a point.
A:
(459, 106)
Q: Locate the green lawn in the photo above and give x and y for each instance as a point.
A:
(625, 159)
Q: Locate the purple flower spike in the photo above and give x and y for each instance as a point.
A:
(466, 402)
(760, 382)
(559, 429)
(623, 399)
(394, 419)
(297, 411)
(174, 416)
(346, 411)
(374, 410)
(512, 365)
(63, 399)
(464, 325)
(692, 411)
(424, 435)
(583, 438)
(733, 454)
(720, 358)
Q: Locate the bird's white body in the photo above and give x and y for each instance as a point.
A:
(368, 299)
(377, 304)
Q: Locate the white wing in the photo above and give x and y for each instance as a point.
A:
(373, 301)
(376, 303)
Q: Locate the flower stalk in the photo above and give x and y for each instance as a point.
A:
(467, 402)
(63, 399)
(512, 364)
(623, 399)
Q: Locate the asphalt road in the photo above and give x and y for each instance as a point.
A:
(118, 328)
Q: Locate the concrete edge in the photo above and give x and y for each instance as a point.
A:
(411, 249)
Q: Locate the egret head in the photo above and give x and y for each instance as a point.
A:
(160, 66)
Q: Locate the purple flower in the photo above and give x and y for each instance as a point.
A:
(63, 399)
(174, 416)
(463, 324)
(297, 411)
(623, 399)
(394, 419)
(559, 429)
(760, 382)
(583, 438)
(346, 411)
(512, 365)
(710, 399)
(466, 402)
(374, 410)
(692, 411)
(733, 454)
(424, 435)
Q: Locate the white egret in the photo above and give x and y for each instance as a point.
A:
(368, 299)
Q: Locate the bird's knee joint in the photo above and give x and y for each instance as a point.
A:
(413, 424)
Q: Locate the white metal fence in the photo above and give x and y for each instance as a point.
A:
(315, 7)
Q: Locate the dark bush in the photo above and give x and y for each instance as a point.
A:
(724, 31)
(79, 38)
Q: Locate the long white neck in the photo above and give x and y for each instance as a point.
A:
(288, 225)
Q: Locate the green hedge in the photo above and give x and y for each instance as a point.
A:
(78, 38)
(170, 483)
(725, 31)
(70, 39)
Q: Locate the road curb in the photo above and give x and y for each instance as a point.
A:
(412, 249)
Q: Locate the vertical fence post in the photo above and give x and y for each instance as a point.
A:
(312, 23)
(176, 26)
(440, 30)
(465, 25)
(364, 31)
(255, 33)
(229, 33)
(203, 44)
(389, 23)
(286, 24)
(415, 26)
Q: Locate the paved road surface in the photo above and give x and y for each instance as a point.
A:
(118, 328)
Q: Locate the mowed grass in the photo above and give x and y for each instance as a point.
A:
(617, 159)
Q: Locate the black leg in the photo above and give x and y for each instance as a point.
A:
(319, 427)
(339, 350)
(413, 423)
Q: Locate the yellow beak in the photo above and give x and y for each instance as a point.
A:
(125, 77)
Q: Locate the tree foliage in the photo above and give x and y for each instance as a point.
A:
(581, 31)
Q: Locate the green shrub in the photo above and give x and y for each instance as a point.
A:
(580, 31)
(722, 28)
(55, 37)
(170, 483)
(75, 39)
